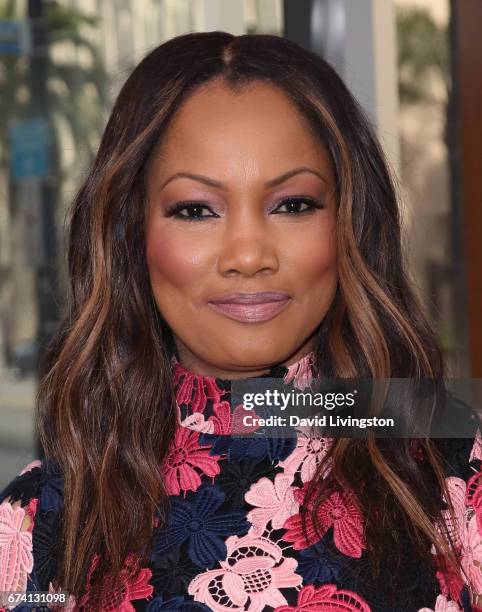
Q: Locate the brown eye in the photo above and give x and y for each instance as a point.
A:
(296, 206)
(194, 211)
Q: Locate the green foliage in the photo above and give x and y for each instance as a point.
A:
(423, 49)
(9, 9)
(76, 94)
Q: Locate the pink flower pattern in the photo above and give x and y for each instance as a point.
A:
(443, 604)
(185, 460)
(472, 552)
(274, 502)
(259, 567)
(301, 372)
(473, 496)
(456, 489)
(255, 577)
(135, 585)
(327, 598)
(192, 389)
(339, 511)
(449, 581)
(307, 455)
(223, 421)
(476, 452)
(16, 559)
(197, 422)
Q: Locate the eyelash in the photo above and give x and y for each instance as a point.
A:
(174, 211)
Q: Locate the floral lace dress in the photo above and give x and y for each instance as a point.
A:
(234, 540)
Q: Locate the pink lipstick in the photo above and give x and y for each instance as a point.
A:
(250, 307)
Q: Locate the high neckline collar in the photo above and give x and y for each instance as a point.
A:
(200, 398)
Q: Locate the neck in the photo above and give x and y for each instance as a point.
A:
(198, 366)
(201, 398)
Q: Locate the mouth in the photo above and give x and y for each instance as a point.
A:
(251, 307)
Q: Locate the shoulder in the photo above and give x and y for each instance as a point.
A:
(39, 479)
(29, 513)
(18, 507)
(25, 486)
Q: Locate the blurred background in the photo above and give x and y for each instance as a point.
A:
(415, 66)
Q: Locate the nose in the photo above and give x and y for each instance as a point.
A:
(248, 248)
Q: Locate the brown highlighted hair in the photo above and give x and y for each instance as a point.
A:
(106, 407)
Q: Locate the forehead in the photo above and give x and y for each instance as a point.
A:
(257, 128)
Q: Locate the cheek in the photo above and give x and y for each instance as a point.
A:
(175, 259)
(315, 258)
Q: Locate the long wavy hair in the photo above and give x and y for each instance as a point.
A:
(106, 405)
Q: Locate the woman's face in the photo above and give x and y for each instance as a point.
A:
(240, 201)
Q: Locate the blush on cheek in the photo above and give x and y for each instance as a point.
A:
(318, 259)
(173, 260)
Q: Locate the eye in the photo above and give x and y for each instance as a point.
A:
(294, 206)
(194, 211)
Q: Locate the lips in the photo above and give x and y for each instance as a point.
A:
(261, 297)
(250, 307)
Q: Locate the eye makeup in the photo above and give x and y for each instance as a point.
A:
(196, 208)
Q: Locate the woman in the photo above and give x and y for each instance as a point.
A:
(233, 166)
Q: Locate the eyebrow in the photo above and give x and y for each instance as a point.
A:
(271, 183)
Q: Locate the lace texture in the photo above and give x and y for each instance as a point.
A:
(234, 538)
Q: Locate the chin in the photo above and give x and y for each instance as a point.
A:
(252, 356)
